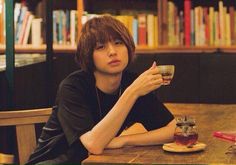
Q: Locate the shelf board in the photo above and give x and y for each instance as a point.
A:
(228, 49)
(40, 49)
(139, 49)
(175, 49)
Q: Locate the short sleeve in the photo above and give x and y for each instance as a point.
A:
(152, 113)
(74, 113)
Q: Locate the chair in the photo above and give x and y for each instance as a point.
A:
(24, 121)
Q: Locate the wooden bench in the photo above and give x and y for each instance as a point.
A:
(24, 121)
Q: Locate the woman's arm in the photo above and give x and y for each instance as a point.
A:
(158, 136)
(101, 134)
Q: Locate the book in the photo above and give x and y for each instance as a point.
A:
(19, 23)
(159, 14)
(211, 26)
(72, 27)
(164, 25)
(2, 22)
(231, 13)
(27, 30)
(23, 28)
(36, 31)
(171, 24)
(187, 22)
(135, 30)
(226, 135)
(150, 30)
(142, 30)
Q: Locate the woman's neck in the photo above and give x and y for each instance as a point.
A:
(108, 83)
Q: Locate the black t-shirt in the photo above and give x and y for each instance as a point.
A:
(77, 111)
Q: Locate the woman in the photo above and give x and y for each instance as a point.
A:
(96, 103)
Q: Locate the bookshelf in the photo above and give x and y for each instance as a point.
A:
(9, 49)
(167, 21)
(96, 7)
(183, 26)
(139, 49)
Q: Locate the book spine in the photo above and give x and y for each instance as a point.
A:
(156, 33)
(36, 32)
(206, 23)
(72, 27)
(227, 29)
(187, 22)
(27, 30)
(164, 22)
(2, 40)
(221, 23)
(232, 36)
(211, 26)
(159, 13)
(150, 30)
(22, 32)
(192, 28)
(135, 31)
(142, 30)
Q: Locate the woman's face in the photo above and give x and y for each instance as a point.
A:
(111, 57)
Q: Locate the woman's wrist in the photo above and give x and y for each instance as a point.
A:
(131, 93)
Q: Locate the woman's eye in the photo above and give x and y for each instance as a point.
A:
(118, 42)
(100, 46)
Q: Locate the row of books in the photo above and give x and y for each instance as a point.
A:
(143, 27)
(25, 24)
(196, 26)
(192, 26)
(65, 29)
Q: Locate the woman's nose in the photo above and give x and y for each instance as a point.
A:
(111, 49)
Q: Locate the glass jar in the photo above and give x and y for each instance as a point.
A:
(185, 131)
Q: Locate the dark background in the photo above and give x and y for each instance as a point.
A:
(199, 78)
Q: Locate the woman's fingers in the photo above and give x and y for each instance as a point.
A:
(154, 64)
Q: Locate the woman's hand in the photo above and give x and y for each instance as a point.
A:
(148, 81)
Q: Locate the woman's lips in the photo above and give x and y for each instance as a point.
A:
(114, 62)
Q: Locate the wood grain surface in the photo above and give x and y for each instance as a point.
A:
(209, 118)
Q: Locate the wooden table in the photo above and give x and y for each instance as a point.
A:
(209, 118)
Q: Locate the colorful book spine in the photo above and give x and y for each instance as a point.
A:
(192, 31)
(164, 22)
(232, 24)
(27, 30)
(150, 30)
(211, 26)
(135, 30)
(2, 22)
(187, 22)
(142, 30)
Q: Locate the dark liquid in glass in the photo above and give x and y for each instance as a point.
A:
(166, 76)
(188, 140)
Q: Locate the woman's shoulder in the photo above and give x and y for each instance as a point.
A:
(78, 78)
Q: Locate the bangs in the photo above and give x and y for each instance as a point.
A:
(106, 34)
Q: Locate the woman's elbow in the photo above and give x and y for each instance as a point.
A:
(92, 145)
(94, 149)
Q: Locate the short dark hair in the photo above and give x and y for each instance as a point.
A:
(101, 29)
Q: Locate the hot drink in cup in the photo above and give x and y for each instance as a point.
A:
(167, 72)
